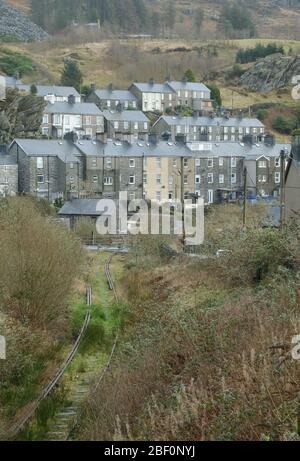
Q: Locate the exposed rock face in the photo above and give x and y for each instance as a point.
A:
(273, 72)
(15, 24)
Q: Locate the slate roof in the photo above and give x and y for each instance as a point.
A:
(7, 160)
(115, 95)
(66, 151)
(80, 207)
(125, 115)
(45, 90)
(209, 121)
(237, 149)
(11, 82)
(188, 86)
(80, 108)
(153, 88)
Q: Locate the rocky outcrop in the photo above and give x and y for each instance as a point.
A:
(273, 72)
(15, 24)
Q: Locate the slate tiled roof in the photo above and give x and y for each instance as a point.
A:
(82, 108)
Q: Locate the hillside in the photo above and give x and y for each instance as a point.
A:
(272, 18)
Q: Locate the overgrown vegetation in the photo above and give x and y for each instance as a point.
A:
(14, 63)
(206, 355)
(259, 51)
(41, 262)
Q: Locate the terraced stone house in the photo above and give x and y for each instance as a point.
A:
(111, 98)
(216, 129)
(84, 119)
(126, 125)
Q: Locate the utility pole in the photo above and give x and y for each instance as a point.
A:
(245, 196)
(282, 186)
(182, 201)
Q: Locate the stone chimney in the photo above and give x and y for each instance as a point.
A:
(71, 99)
(93, 87)
(110, 87)
(151, 81)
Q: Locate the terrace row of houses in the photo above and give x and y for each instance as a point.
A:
(157, 171)
(102, 118)
(146, 97)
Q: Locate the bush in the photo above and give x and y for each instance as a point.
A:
(284, 124)
(260, 51)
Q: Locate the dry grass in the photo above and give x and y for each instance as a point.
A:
(204, 357)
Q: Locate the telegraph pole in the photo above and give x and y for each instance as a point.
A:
(245, 197)
(182, 201)
(282, 185)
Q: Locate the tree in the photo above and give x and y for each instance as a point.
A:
(190, 76)
(33, 89)
(215, 95)
(71, 75)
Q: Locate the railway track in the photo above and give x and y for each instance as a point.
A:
(26, 418)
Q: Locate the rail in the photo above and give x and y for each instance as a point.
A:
(16, 429)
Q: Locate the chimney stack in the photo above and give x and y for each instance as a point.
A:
(71, 99)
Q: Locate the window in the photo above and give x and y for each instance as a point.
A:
(198, 162)
(233, 178)
(134, 104)
(67, 120)
(262, 178)
(95, 178)
(40, 179)
(186, 163)
(197, 179)
(132, 196)
(158, 162)
(178, 129)
(71, 178)
(170, 195)
(108, 163)
(221, 161)
(126, 104)
(233, 162)
(94, 163)
(221, 179)
(108, 103)
(210, 196)
(210, 162)
(45, 131)
(158, 179)
(40, 163)
(71, 166)
(89, 132)
(145, 179)
(185, 180)
(136, 126)
(132, 179)
(99, 121)
(277, 178)
(210, 178)
(158, 196)
(132, 163)
(145, 126)
(171, 180)
(174, 163)
(108, 180)
(88, 120)
(57, 119)
(126, 125)
(116, 125)
(277, 162)
(262, 164)
(45, 118)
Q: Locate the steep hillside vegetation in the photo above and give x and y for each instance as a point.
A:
(267, 18)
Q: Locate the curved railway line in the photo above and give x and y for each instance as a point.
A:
(30, 413)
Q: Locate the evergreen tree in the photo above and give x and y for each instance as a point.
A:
(215, 95)
(71, 75)
(190, 76)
